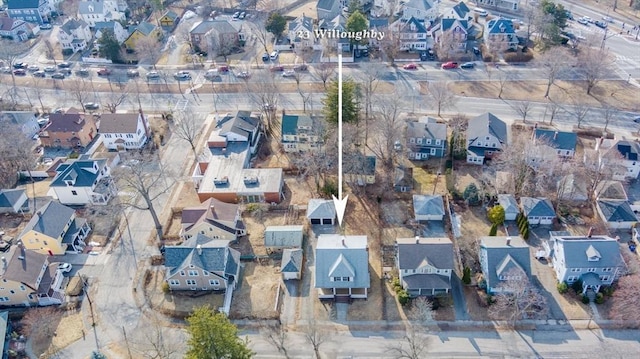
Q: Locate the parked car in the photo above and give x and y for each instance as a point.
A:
(223, 69)
(182, 76)
(64, 65)
(236, 15)
(46, 26)
(153, 75)
(468, 65)
(600, 24)
(265, 57)
(212, 75)
(58, 76)
(636, 119)
(607, 19)
(242, 15)
(39, 74)
(243, 75)
(82, 72)
(583, 21)
(33, 68)
(6, 70)
(133, 73)
(91, 106)
(104, 72)
(274, 55)
(300, 67)
(19, 72)
(20, 65)
(50, 69)
(289, 73)
(410, 66)
(449, 65)
(276, 68)
(65, 267)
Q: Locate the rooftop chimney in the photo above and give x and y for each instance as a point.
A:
(555, 135)
(590, 232)
(199, 248)
(4, 263)
(508, 241)
(417, 239)
(343, 243)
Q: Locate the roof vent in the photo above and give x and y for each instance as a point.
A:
(221, 181)
(250, 180)
(199, 249)
(508, 241)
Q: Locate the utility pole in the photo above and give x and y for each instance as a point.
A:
(605, 37)
(126, 341)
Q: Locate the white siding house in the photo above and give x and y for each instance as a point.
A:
(123, 131)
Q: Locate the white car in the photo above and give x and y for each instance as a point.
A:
(153, 75)
(583, 21)
(65, 267)
(289, 73)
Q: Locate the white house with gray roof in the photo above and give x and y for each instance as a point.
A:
(93, 12)
(74, 35)
(279, 237)
(119, 32)
(291, 265)
(428, 208)
(202, 264)
(510, 206)
(300, 133)
(342, 267)
(621, 156)
(616, 214)
(243, 127)
(124, 131)
(413, 33)
(328, 9)
(563, 142)
(425, 265)
(83, 181)
(300, 32)
(425, 11)
(13, 201)
(501, 258)
(321, 211)
(538, 210)
(486, 134)
(459, 12)
(426, 138)
(504, 5)
(594, 260)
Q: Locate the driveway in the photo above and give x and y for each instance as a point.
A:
(459, 300)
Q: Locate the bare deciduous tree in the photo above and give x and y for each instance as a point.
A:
(149, 50)
(16, 154)
(441, 95)
(552, 63)
(580, 110)
(388, 128)
(113, 99)
(144, 177)
(554, 109)
(265, 93)
(305, 96)
(81, 91)
(518, 299)
(523, 108)
(458, 125)
(157, 342)
(503, 78)
(415, 348)
(391, 45)
(513, 158)
(276, 335)
(422, 311)
(187, 126)
(316, 336)
(39, 325)
(325, 72)
(593, 64)
(608, 113)
(624, 305)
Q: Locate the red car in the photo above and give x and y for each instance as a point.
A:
(410, 66)
(277, 68)
(223, 68)
(450, 65)
(104, 72)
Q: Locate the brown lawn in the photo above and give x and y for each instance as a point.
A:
(255, 298)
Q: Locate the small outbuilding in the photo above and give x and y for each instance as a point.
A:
(291, 267)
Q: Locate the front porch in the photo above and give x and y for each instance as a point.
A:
(333, 293)
(76, 235)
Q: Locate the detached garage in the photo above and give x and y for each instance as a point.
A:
(321, 212)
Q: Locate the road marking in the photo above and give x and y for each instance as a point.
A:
(181, 105)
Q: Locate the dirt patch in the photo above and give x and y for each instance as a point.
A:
(618, 94)
(175, 304)
(477, 306)
(70, 329)
(188, 196)
(12, 225)
(38, 188)
(160, 129)
(255, 298)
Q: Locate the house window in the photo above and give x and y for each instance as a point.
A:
(437, 142)
(174, 282)
(487, 138)
(4, 299)
(191, 282)
(571, 279)
(182, 273)
(193, 273)
(576, 269)
(214, 282)
(606, 270)
(22, 288)
(428, 141)
(604, 278)
(75, 193)
(433, 152)
(346, 279)
(591, 270)
(419, 141)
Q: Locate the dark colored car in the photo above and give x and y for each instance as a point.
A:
(19, 72)
(64, 65)
(82, 72)
(600, 24)
(265, 57)
(468, 65)
(223, 68)
(39, 74)
(277, 68)
(20, 65)
(104, 72)
(91, 106)
(300, 67)
(58, 76)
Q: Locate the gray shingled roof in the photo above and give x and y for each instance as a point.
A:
(241, 124)
(487, 124)
(611, 190)
(422, 5)
(283, 236)
(446, 24)
(291, 260)
(502, 257)
(145, 28)
(428, 205)
(617, 211)
(73, 24)
(325, 4)
(496, 26)
(437, 252)
(537, 207)
(509, 203)
(321, 208)
(119, 123)
(304, 22)
(216, 256)
(90, 7)
(49, 220)
(9, 197)
(558, 139)
(335, 259)
(574, 251)
(82, 172)
(461, 10)
(436, 131)
(403, 177)
(23, 266)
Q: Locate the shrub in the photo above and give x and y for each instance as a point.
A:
(471, 195)
(490, 299)
(165, 288)
(577, 286)
(74, 155)
(563, 287)
(494, 230)
(607, 291)
(466, 275)
(525, 233)
(67, 52)
(518, 56)
(403, 297)
(496, 214)
(599, 298)
(585, 299)
(329, 189)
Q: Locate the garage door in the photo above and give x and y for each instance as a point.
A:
(327, 221)
(315, 221)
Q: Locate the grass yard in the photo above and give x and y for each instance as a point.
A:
(428, 182)
(255, 298)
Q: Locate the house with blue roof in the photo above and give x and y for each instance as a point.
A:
(202, 264)
(300, 133)
(13, 201)
(563, 142)
(33, 11)
(291, 266)
(486, 134)
(301, 32)
(503, 259)
(426, 138)
(342, 267)
(538, 210)
(360, 169)
(460, 12)
(83, 181)
(620, 156)
(594, 260)
(452, 36)
(428, 208)
(500, 35)
(55, 230)
(616, 214)
(413, 33)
